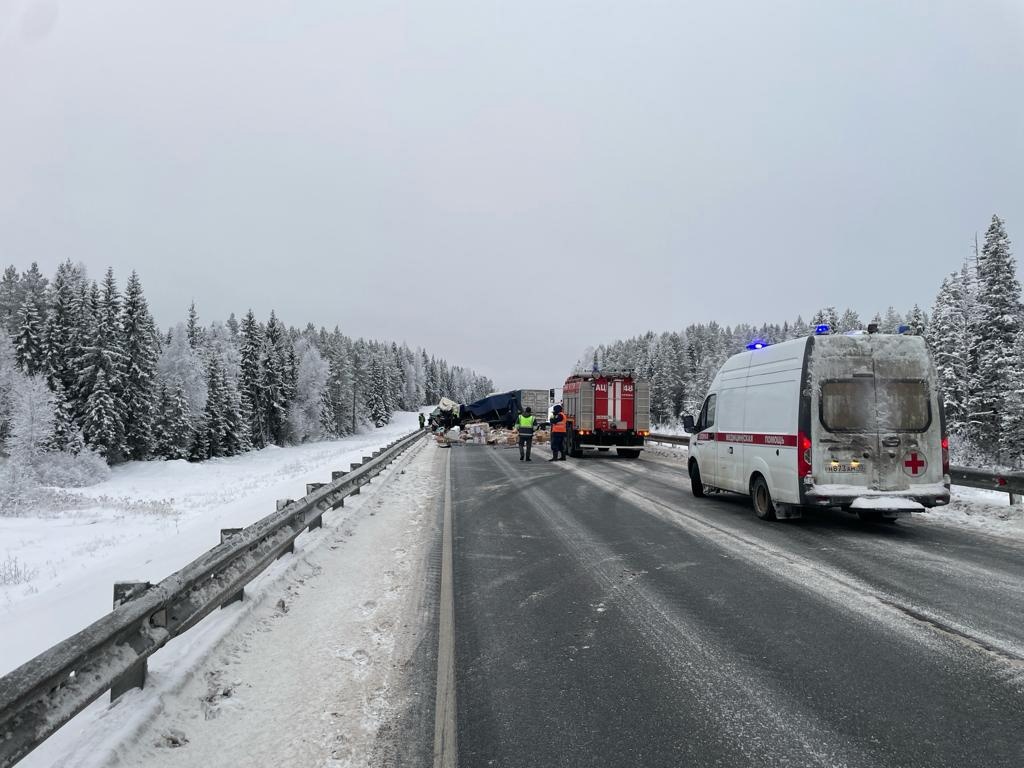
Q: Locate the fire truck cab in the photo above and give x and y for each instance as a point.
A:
(607, 409)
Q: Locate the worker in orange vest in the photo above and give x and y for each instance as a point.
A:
(559, 423)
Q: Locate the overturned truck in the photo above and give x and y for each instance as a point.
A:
(502, 408)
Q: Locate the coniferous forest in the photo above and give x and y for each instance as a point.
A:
(975, 330)
(87, 379)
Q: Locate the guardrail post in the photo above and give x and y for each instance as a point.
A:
(281, 504)
(135, 675)
(337, 475)
(317, 521)
(225, 534)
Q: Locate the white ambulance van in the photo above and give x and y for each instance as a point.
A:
(849, 421)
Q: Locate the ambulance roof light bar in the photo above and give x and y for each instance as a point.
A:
(757, 344)
(821, 330)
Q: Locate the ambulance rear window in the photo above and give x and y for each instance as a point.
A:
(848, 405)
(875, 405)
(904, 405)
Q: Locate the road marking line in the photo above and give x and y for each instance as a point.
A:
(444, 705)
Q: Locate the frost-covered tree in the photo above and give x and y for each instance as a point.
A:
(305, 413)
(827, 316)
(10, 300)
(31, 420)
(849, 321)
(9, 377)
(891, 322)
(181, 364)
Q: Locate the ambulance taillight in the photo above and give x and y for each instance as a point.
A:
(803, 456)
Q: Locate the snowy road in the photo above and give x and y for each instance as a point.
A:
(602, 617)
(605, 617)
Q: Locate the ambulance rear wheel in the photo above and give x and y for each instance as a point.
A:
(696, 484)
(764, 508)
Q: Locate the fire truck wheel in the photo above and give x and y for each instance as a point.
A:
(763, 506)
(696, 484)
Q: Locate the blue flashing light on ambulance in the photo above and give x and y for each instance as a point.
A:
(848, 421)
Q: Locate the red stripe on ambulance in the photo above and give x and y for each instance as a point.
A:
(757, 438)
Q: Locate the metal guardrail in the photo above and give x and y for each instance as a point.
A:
(40, 696)
(1007, 482)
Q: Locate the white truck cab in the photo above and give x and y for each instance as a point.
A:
(849, 421)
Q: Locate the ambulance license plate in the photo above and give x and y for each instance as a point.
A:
(844, 467)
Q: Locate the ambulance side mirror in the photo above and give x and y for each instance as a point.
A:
(688, 423)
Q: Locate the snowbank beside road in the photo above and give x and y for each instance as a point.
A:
(987, 511)
(147, 521)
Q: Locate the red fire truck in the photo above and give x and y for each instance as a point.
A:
(607, 409)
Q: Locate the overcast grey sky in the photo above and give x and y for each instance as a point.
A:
(508, 183)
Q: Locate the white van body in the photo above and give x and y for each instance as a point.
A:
(850, 421)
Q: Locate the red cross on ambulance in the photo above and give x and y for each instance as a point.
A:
(914, 464)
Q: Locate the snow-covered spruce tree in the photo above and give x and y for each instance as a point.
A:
(891, 322)
(29, 340)
(917, 321)
(376, 394)
(942, 339)
(139, 390)
(237, 418)
(64, 330)
(273, 386)
(67, 435)
(103, 428)
(997, 329)
(194, 332)
(104, 356)
(173, 431)
(214, 429)
(1011, 422)
(251, 378)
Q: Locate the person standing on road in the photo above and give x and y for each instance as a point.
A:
(423, 420)
(525, 423)
(558, 427)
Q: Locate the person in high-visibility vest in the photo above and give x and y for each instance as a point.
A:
(525, 423)
(559, 422)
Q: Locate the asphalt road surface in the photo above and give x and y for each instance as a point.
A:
(605, 617)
